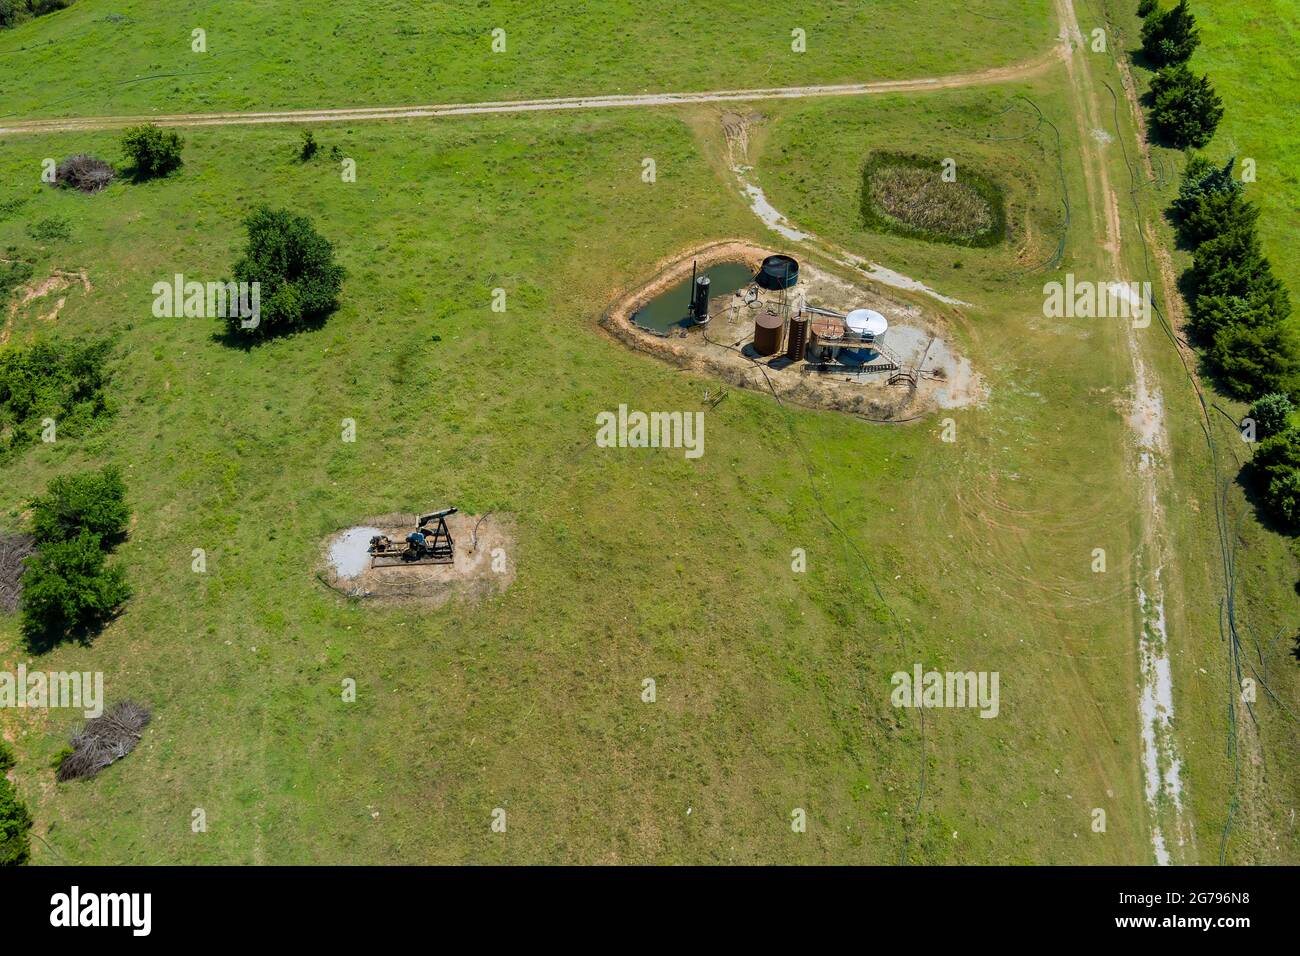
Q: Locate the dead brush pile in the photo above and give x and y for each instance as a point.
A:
(85, 173)
(104, 740)
(14, 550)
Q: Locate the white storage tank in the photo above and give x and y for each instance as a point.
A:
(867, 323)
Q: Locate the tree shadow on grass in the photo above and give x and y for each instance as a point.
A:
(245, 340)
(1252, 488)
(82, 635)
(137, 176)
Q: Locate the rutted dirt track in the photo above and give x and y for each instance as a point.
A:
(1000, 74)
(1171, 827)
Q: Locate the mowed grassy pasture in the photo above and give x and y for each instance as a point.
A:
(773, 687)
(1248, 50)
(125, 56)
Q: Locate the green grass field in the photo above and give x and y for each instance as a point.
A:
(1248, 52)
(773, 686)
(267, 54)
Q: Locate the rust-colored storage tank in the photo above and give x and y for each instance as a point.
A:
(828, 333)
(797, 340)
(767, 333)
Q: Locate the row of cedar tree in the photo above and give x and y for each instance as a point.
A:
(1240, 312)
(69, 588)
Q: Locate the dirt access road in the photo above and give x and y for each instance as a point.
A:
(366, 114)
(1171, 827)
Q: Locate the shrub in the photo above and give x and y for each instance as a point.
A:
(15, 826)
(8, 12)
(1272, 414)
(10, 206)
(1170, 36)
(51, 378)
(93, 503)
(1186, 110)
(151, 150)
(50, 229)
(1276, 466)
(13, 273)
(83, 172)
(6, 757)
(60, 755)
(1147, 7)
(68, 590)
(295, 267)
(1213, 313)
(309, 146)
(1234, 264)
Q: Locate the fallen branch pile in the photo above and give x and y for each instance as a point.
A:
(14, 550)
(104, 740)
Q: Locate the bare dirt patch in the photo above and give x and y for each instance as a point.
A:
(24, 296)
(483, 564)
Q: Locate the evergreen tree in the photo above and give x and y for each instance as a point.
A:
(1216, 213)
(1171, 36)
(1186, 110)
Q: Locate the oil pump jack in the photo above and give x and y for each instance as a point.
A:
(424, 545)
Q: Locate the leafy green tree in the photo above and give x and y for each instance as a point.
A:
(1170, 36)
(152, 151)
(6, 756)
(294, 266)
(1276, 468)
(1272, 414)
(1282, 498)
(1186, 110)
(93, 502)
(1147, 7)
(69, 590)
(15, 826)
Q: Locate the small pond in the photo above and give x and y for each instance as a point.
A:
(670, 310)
